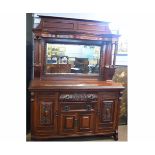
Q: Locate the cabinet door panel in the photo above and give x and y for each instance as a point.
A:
(44, 115)
(86, 122)
(107, 110)
(68, 123)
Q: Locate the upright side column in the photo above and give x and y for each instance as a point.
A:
(37, 57)
(108, 69)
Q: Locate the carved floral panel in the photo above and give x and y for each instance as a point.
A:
(46, 112)
(107, 111)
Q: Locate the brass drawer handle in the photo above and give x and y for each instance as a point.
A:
(88, 107)
(66, 108)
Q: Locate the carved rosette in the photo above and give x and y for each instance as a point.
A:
(78, 97)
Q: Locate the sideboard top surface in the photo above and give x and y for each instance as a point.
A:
(92, 84)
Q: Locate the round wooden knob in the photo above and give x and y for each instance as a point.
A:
(32, 99)
(32, 93)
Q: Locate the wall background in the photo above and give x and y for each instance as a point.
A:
(29, 60)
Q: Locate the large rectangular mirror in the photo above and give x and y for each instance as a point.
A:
(72, 58)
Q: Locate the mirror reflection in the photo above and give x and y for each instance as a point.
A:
(70, 58)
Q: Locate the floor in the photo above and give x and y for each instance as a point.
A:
(122, 136)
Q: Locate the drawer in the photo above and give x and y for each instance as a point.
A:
(70, 107)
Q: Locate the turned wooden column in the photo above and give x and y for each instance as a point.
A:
(37, 57)
(115, 53)
(102, 60)
(108, 54)
(108, 69)
(115, 135)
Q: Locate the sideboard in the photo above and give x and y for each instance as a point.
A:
(71, 109)
(72, 92)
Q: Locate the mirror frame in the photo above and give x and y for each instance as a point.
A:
(70, 42)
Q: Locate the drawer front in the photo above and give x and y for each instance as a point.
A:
(74, 106)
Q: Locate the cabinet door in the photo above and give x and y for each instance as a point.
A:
(74, 123)
(44, 118)
(68, 123)
(106, 115)
(85, 122)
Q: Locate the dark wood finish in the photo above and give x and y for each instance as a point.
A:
(58, 68)
(63, 25)
(74, 31)
(65, 104)
(44, 112)
(63, 108)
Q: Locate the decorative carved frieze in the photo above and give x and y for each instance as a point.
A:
(78, 97)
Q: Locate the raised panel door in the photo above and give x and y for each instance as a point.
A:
(44, 116)
(106, 115)
(68, 123)
(86, 122)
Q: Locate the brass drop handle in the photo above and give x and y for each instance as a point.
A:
(66, 108)
(88, 107)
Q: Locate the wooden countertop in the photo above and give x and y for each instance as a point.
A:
(92, 84)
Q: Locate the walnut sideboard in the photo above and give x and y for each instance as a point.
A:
(70, 109)
(74, 97)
